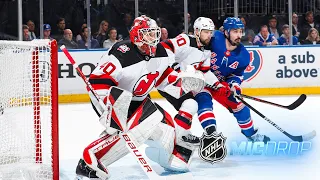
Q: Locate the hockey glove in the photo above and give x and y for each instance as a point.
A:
(221, 89)
(236, 90)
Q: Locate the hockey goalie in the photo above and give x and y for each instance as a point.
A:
(123, 79)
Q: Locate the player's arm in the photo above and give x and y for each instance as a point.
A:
(179, 46)
(235, 79)
(106, 74)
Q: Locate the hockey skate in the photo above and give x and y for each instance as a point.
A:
(83, 170)
(194, 140)
(256, 137)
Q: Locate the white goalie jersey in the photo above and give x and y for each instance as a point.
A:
(123, 66)
(185, 50)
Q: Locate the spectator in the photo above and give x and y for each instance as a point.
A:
(67, 40)
(61, 25)
(31, 26)
(47, 31)
(26, 36)
(307, 25)
(284, 38)
(248, 34)
(264, 38)
(112, 34)
(313, 37)
(273, 27)
(102, 33)
(295, 28)
(190, 26)
(79, 36)
(164, 34)
(123, 31)
(83, 43)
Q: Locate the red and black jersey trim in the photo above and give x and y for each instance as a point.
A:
(164, 75)
(102, 81)
(168, 44)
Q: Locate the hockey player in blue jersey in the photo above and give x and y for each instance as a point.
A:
(229, 59)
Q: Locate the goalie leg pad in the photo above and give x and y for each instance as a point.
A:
(181, 156)
(102, 152)
(144, 121)
(161, 144)
(114, 115)
(109, 148)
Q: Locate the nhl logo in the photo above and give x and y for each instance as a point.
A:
(212, 147)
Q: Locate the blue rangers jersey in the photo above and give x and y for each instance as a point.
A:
(227, 65)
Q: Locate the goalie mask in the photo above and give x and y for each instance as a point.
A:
(145, 34)
(203, 23)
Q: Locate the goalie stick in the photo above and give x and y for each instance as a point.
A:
(300, 138)
(292, 106)
(140, 157)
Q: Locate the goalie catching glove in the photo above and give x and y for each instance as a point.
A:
(194, 81)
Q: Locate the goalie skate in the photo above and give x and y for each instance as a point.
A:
(83, 170)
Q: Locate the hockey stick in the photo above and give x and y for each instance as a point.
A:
(300, 138)
(292, 106)
(141, 159)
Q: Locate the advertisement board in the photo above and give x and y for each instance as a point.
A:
(272, 71)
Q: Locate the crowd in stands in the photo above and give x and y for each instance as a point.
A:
(305, 30)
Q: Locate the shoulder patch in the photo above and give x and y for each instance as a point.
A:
(123, 48)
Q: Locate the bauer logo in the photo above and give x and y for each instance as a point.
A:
(254, 66)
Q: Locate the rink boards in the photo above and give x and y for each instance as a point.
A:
(281, 70)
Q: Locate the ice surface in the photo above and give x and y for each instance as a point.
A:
(79, 126)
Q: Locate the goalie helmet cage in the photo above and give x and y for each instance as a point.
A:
(29, 110)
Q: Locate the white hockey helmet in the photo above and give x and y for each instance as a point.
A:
(202, 23)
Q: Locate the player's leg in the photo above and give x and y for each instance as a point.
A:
(205, 111)
(168, 147)
(243, 116)
(176, 103)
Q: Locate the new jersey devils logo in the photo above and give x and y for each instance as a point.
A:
(145, 84)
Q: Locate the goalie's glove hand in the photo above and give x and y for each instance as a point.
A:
(236, 91)
(221, 89)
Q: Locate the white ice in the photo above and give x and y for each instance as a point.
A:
(79, 126)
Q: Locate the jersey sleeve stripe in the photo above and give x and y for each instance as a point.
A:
(168, 45)
(103, 81)
(164, 75)
(204, 68)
